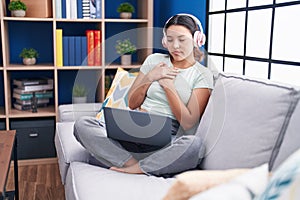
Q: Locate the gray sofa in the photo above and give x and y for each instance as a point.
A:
(247, 122)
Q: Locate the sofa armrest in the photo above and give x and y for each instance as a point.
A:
(71, 112)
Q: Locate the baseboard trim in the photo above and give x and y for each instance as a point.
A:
(40, 161)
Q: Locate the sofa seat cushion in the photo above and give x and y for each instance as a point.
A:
(91, 182)
(245, 121)
(68, 148)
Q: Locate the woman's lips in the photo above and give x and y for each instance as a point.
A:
(176, 53)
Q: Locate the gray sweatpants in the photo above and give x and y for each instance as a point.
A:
(182, 154)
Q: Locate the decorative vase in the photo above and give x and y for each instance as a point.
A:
(79, 99)
(18, 13)
(29, 61)
(126, 59)
(125, 15)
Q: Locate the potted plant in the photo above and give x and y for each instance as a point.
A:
(17, 8)
(125, 9)
(125, 48)
(29, 56)
(79, 94)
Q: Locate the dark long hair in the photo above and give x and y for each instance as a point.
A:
(189, 23)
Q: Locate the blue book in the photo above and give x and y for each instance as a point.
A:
(83, 51)
(79, 9)
(98, 8)
(63, 8)
(65, 51)
(77, 50)
(71, 50)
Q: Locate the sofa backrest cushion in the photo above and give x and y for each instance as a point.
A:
(243, 120)
(71, 112)
(291, 140)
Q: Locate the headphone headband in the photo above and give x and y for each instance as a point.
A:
(198, 36)
(196, 20)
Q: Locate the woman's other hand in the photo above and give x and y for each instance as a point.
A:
(162, 71)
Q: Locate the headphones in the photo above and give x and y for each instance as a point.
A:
(199, 37)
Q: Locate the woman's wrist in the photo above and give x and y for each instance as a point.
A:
(149, 78)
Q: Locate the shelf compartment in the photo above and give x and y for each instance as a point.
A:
(42, 112)
(91, 79)
(28, 39)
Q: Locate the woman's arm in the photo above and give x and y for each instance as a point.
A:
(139, 88)
(188, 115)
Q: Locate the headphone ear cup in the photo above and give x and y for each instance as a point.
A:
(164, 42)
(199, 38)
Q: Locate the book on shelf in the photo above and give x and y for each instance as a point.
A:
(31, 81)
(97, 48)
(83, 51)
(58, 7)
(28, 107)
(85, 9)
(29, 102)
(73, 9)
(33, 85)
(66, 50)
(77, 53)
(71, 50)
(90, 47)
(59, 48)
(75, 50)
(92, 9)
(35, 88)
(78, 9)
(28, 96)
(98, 8)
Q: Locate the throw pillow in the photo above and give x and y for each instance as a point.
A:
(117, 95)
(190, 183)
(243, 187)
(285, 181)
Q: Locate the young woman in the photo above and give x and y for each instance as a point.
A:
(174, 85)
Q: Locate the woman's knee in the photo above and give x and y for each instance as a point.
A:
(79, 126)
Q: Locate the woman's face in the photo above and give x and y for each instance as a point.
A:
(180, 42)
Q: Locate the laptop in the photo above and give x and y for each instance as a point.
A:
(138, 127)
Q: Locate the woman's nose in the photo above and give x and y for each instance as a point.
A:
(176, 44)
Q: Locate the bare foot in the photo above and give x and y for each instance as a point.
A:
(130, 162)
(133, 169)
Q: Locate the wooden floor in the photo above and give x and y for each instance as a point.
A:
(38, 182)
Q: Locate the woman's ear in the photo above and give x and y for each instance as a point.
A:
(164, 42)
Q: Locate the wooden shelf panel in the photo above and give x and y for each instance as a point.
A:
(42, 112)
(27, 19)
(32, 67)
(79, 67)
(127, 20)
(79, 20)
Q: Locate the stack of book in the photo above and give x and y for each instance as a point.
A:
(26, 89)
(78, 9)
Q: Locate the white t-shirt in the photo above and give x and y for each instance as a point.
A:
(196, 76)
